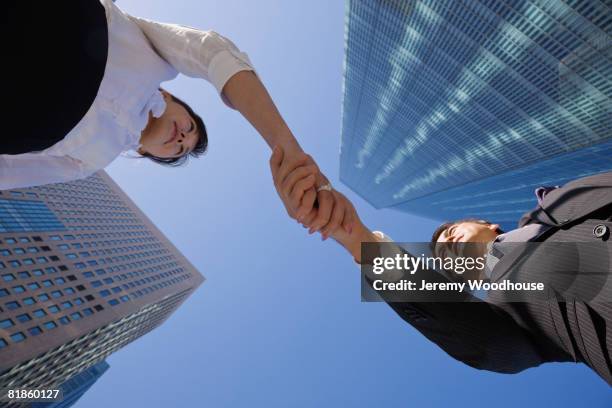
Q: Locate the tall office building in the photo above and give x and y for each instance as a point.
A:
(76, 386)
(83, 273)
(458, 108)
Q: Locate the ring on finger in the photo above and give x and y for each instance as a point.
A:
(325, 187)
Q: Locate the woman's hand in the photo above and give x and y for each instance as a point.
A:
(293, 178)
(245, 92)
(297, 179)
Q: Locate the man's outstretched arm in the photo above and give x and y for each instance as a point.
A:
(477, 333)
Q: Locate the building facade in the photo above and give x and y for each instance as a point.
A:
(83, 272)
(75, 387)
(457, 109)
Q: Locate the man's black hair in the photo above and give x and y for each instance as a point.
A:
(199, 148)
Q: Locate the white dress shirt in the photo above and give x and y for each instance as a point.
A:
(141, 55)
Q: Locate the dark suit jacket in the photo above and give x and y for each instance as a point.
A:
(510, 337)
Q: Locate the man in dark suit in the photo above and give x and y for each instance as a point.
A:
(508, 337)
(574, 326)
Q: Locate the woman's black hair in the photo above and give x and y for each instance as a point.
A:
(200, 146)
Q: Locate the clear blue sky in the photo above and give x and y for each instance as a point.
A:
(279, 320)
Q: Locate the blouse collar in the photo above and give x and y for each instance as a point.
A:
(157, 106)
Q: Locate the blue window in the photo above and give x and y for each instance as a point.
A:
(49, 325)
(104, 293)
(28, 261)
(39, 313)
(10, 240)
(23, 275)
(96, 283)
(55, 238)
(56, 293)
(38, 272)
(69, 237)
(15, 263)
(3, 343)
(51, 269)
(12, 305)
(125, 298)
(88, 311)
(33, 286)
(6, 323)
(24, 239)
(75, 316)
(108, 280)
(79, 265)
(64, 320)
(2, 265)
(29, 301)
(88, 274)
(17, 337)
(63, 246)
(100, 271)
(19, 251)
(71, 256)
(66, 305)
(43, 297)
(41, 259)
(34, 331)
(18, 289)
(60, 281)
(33, 250)
(8, 277)
(5, 252)
(113, 302)
(69, 291)
(53, 309)
(116, 289)
(24, 318)
(78, 301)
(3, 292)
(47, 283)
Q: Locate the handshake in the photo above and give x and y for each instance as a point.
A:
(309, 199)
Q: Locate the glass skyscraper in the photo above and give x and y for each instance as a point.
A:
(83, 272)
(457, 109)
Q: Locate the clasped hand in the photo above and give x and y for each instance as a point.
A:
(297, 179)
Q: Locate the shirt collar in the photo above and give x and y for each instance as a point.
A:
(157, 106)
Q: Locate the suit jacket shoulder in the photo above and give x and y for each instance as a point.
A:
(573, 201)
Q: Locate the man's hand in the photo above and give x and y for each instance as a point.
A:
(297, 179)
(340, 219)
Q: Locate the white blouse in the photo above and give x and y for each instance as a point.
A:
(141, 55)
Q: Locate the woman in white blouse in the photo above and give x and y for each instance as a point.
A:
(131, 111)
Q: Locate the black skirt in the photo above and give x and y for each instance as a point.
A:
(53, 59)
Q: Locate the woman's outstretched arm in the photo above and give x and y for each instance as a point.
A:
(245, 92)
(209, 55)
(248, 95)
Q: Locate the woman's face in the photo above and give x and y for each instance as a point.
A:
(173, 134)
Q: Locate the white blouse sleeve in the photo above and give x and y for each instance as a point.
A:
(34, 169)
(196, 53)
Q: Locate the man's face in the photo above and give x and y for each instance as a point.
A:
(173, 134)
(477, 234)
